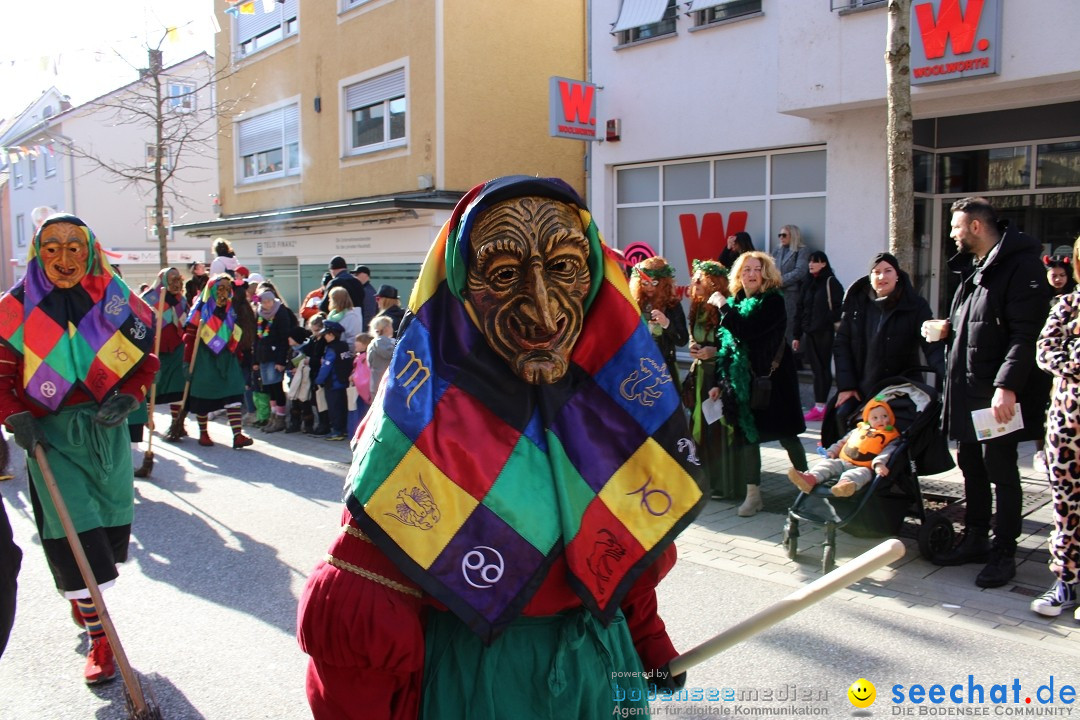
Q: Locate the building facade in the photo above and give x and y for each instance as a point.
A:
(56, 167)
(754, 114)
(361, 122)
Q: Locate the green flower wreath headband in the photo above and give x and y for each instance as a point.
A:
(663, 272)
(710, 267)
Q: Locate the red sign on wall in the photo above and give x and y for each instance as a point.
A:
(953, 39)
(572, 109)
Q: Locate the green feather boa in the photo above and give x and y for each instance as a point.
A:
(733, 365)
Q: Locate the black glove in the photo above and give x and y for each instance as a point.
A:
(115, 410)
(26, 431)
(661, 679)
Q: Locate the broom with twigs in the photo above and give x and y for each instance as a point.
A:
(139, 708)
(148, 457)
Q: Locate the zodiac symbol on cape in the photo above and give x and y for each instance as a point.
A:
(688, 445)
(416, 507)
(605, 555)
(642, 385)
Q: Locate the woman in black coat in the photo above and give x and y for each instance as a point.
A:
(753, 345)
(880, 336)
(816, 315)
(274, 322)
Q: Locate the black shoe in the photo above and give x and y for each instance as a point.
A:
(999, 570)
(320, 431)
(973, 547)
(292, 428)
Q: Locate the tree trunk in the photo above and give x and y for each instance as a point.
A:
(161, 153)
(898, 135)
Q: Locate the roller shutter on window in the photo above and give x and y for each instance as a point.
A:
(252, 26)
(377, 89)
(269, 131)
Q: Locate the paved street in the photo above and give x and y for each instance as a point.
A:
(223, 540)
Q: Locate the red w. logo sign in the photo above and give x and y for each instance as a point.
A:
(577, 101)
(951, 24)
(706, 242)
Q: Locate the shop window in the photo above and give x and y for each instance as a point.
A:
(798, 172)
(739, 177)
(922, 167)
(262, 29)
(1058, 165)
(689, 181)
(269, 144)
(654, 18)
(637, 185)
(376, 112)
(711, 12)
(972, 171)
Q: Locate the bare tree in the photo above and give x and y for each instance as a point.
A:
(184, 134)
(899, 135)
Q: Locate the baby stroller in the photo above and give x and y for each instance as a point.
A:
(880, 507)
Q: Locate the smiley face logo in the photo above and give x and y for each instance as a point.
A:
(862, 693)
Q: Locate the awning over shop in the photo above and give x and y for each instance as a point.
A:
(635, 13)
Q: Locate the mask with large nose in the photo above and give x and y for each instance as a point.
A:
(64, 253)
(528, 279)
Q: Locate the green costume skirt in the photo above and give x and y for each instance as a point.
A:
(92, 467)
(217, 381)
(736, 463)
(171, 376)
(541, 668)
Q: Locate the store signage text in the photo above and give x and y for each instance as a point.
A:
(275, 247)
(571, 109)
(951, 39)
(707, 241)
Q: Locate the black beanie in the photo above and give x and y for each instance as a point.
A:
(885, 257)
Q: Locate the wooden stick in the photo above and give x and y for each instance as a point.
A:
(839, 578)
(131, 682)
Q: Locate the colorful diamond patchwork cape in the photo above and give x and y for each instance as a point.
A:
(174, 307)
(217, 324)
(91, 336)
(474, 481)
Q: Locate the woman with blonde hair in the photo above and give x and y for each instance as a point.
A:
(755, 379)
(342, 311)
(793, 262)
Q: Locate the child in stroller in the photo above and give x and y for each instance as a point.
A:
(880, 507)
(854, 459)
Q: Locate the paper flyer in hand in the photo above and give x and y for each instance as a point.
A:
(986, 427)
(712, 410)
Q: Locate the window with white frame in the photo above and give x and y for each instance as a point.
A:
(17, 173)
(32, 174)
(269, 144)
(261, 29)
(660, 17)
(49, 162)
(375, 112)
(856, 4)
(708, 12)
(152, 157)
(151, 222)
(181, 96)
(350, 4)
(20, 231)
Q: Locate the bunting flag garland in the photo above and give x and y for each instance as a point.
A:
(91, 337)
(595, 467)
(217, 325)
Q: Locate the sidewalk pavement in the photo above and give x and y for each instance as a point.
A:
(912, 586)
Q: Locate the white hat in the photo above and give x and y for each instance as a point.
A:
(255, 278)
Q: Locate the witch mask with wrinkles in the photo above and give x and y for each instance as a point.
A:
(528, 279)
(64, 254)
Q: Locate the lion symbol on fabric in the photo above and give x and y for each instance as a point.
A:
(643, 385)
(605, 555)
(416, 507)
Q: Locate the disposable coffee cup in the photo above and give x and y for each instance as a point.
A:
(936, 329)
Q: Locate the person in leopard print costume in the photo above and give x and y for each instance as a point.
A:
(1057, 352)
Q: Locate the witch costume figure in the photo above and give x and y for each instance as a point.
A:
(167, 293)
(515, 488)
(211, 337)
(709, 277)
(652, 285)
(75, 359)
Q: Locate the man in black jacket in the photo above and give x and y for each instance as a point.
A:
(340, 270)
(390, 305)
(996, 315)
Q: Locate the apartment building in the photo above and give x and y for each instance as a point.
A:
(51, 142)
(361, 122)
(754, 114)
